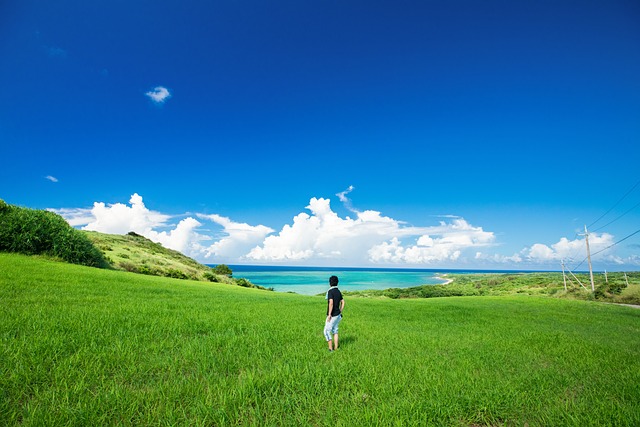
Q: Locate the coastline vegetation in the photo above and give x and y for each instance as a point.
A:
(86, 346)
(622, 288)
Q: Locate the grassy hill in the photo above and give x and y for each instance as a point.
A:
(137, 254)
(47, 234)
(84, 346)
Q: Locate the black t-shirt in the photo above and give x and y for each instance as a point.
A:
(335, 295)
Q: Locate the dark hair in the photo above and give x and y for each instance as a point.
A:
(333, 281)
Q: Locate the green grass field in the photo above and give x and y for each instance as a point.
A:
(82, 346)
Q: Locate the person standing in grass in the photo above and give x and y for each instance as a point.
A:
(335, 305)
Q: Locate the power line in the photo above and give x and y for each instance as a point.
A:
(611, 222)
(619, 241)
(614, 206)
(610, 246)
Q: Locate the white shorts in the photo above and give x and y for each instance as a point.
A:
(331, 327)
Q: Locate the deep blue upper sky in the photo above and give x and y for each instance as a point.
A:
(523, 118)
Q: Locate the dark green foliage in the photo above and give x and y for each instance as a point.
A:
(223, 270)
(244, 283)
(429, 291)
(613, 287)
(175, 273)
(38, 232)
(210, 276)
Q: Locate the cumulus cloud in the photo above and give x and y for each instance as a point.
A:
(319, 236)
(550, 256)
(237, 240)
(159, 94)
(445, 242)
(51, 178)
(183, 238)
(566, 249)
(120, 218)
(186, 236)
(370, 237)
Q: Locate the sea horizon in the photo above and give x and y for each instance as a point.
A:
(314, 280)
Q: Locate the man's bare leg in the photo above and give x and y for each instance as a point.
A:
(335, 341)
(330, 347)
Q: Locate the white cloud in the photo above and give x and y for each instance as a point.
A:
(445, 242)
(159, 94)
(120, 218)
(75, 216)
(183, 238)
(238, 239)
(343, 194)
(550, 256)
(186, 236)
(51, 178)
(320, 236)
(370, 237)
(567, 249)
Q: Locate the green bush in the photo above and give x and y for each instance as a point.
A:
(38, 232)
(176, 274)
(223, 270)
(210, 276)
(244, 283)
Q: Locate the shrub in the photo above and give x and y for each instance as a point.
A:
(176, 274)
(244, 283)
(38, 232)
(223, 270)
(210, 276)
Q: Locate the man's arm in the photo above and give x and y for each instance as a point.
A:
(341, 305)
(330, 309)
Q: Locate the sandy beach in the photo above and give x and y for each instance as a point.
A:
(446, 280)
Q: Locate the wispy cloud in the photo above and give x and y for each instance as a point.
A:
(56, 52)
(342, 196)
(51, 178)
(159, 94)
(76, 217)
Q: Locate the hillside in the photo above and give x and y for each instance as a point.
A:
(87, 346)
(137, 254)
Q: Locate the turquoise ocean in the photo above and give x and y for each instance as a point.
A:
(315, 280)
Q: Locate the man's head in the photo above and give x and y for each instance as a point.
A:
(333, 281)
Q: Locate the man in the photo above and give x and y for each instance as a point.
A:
(334, 313)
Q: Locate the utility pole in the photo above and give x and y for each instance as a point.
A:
(586, 238)
(564, 277)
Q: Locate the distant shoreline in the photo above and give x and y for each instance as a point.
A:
(446, 280)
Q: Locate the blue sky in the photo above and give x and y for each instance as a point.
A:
(471, 134)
